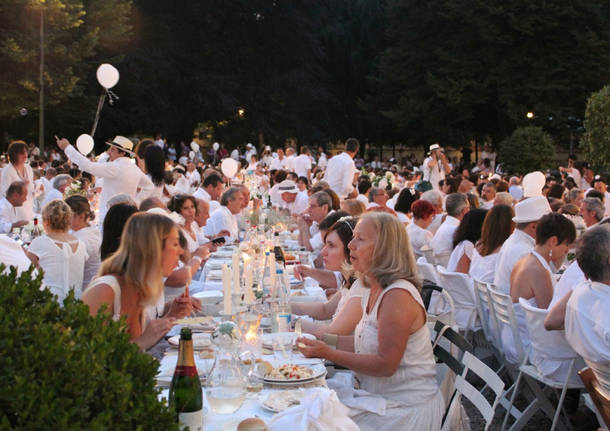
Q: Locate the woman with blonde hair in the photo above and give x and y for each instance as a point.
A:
(390, 352)
(130, 281)
(60, 254)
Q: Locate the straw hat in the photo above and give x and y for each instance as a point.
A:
(123, 144)
(288, 186)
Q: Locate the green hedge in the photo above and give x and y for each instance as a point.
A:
(596, 139)
(62, 369)
(528, 149)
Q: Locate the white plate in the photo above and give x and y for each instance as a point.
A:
(277, 402)
(209, 296)
(200, 341)
(319, 370)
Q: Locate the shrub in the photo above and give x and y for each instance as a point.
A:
(63, 369)
(528, 149)
(596, 140)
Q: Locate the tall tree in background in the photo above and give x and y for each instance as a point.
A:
(458, 67)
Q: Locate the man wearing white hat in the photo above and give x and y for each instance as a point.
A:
(436, 166)
(294, 201)
(120, 174)
(521, 241)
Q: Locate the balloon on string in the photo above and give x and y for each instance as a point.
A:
(229, 167)
(532, 184)
(84, 144)
(194, 146)
(107, 75)
(216, 146)
(191, 155)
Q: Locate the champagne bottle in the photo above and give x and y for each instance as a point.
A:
(185, 397)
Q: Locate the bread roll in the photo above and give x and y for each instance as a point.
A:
(252, 424)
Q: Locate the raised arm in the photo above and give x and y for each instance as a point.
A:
(98, 169)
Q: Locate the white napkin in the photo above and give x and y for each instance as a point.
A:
(320, 410)
(358, 400)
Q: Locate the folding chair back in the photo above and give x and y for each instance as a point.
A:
(481, 298)
(439, 305)
(463, 387)
(504, 314)
(426, 250)
(460, 288)
(427, 271)
(458, 345)
(442, 259)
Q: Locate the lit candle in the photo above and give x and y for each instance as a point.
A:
(226, 289)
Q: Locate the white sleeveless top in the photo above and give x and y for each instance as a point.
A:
(111, 281)
(414, 382)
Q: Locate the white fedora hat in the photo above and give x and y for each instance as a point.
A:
(435, 147)
(122, 143)
(288, 186)
(531, 209)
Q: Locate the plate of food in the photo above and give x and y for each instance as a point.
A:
(289, 374)
(200, 340)
(277, 402)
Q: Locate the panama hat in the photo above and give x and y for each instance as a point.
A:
(434, 147)
(531, 209)
(123, 144)
(288, 186)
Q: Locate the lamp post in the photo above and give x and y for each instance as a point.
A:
(41, 101)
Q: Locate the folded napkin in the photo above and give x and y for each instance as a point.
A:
(320, 410)
(358, 400)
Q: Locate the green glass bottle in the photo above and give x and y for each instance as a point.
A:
(185, 396)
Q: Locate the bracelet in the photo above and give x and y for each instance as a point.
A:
(331, 340)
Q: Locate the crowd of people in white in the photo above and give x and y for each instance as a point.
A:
(131, 235)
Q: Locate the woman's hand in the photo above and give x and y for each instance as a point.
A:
(180, 307)
(312, 348)
(154, 331)
(302, 271)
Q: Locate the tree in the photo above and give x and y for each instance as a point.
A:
(456, 67)
(78, 35)
(596, 139)
(528, 149)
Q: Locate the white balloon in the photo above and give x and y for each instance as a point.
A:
(194, 146)
(107, 75)
(532, 184)
(229, 167)
(84, 143)
(191, 155)
(216, 146)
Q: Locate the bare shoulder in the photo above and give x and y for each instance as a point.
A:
(99, 294)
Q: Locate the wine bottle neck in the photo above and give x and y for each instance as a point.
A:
(185, 354)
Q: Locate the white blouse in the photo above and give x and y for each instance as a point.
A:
(463, 248)
(418, 237)
(92, 238)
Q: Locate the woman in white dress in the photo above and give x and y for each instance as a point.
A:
(419, 235)
(186, 207)
(151, 160)
(390, 353)
(89, 235)
(465, 237)
(533, 280)
(19, 170)
(60, 254)
(497, 227)
(344, 308)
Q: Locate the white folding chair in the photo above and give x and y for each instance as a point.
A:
(553, 345)
(487, 409)
(481, 298)
(460, 288)
(426, 250)
(504, 315)
(427, 270)
(442, 259)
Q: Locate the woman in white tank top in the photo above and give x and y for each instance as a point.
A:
(390, 353)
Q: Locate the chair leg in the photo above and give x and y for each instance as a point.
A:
(512, 400)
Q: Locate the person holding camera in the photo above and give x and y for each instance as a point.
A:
(436, 166)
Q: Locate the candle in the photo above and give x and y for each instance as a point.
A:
(249, 281)
(226, 289)
(235, 265)
(272, 275)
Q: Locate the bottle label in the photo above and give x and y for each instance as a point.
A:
(186, 371)
(193, 420)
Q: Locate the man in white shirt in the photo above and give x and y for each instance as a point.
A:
(600, 185)
(488, 194)
(119, 173)
(210, 191)
(341, 169)
(592, 211)
(364, 188)
(320, 205)
(457, 206)
(16, 195)
(192, 175)
(278, 162)
(521, 241)
(224, 217)
(436, 166)
(288, 162)
(60, 183)
(435, 198)
(296, 203)
(47, 180)
(250, 151)
(302, 164)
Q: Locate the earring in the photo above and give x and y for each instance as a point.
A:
(551, 254)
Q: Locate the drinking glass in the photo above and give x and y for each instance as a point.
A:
(282, 346)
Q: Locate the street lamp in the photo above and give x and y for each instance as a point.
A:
(41, 101)
(241, 112)
(530, 115)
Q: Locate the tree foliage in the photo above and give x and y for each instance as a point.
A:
(596, 140)
(60, 368)
(528, 149)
